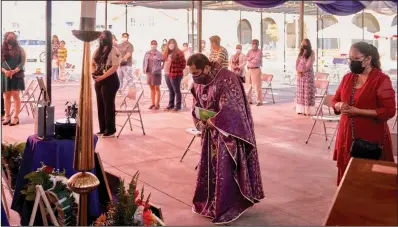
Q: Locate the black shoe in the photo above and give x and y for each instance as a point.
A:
(7, 122)
(108, 135)
(167, 109)
(176, 110)
(100, 133)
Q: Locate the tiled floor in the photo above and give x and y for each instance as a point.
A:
(299, 179)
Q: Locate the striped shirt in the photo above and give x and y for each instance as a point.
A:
(222, 54)
(62, 54)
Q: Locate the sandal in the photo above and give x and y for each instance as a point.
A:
(15, 123)
(7, 121)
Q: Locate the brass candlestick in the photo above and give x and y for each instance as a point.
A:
(85, 182)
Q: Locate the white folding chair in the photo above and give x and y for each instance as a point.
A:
(69, 69)
(136, 96)
(195, 133)
(137, 78)
(267, 80)
(326, 101)
(321, 87)
(321, 76)
(28, 98)
(186, 85)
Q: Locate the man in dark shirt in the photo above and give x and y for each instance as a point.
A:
(126, 49)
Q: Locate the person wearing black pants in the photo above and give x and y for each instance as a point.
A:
(174, 65)
(106, 61)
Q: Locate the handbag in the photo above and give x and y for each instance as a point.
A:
(361, 148)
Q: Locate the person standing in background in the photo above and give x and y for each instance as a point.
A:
(62, 55)
(55, 68)
(105, 62)
(54, 45)
(253, 76)
(305, 88)
(187, 54)
(126, 49)
(218, 53)
(238, 62)
(114, 40)
(13, 60)
(205, 50)
(174, 64)
(152, 67)
(164, 45)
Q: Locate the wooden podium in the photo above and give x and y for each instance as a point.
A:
(367, 195)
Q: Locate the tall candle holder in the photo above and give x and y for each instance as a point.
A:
(84, 182)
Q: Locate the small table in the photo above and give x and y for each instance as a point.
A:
(58, 154)
(367, 195)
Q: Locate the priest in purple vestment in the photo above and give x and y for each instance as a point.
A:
(229, 179)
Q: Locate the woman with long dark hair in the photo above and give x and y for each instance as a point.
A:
(106, 60)
(12, 72)
(305, 88)
(55, 46)
(366, 100)
(174, 65)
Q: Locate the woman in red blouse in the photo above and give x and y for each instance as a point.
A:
(374, 104)
(174, 65)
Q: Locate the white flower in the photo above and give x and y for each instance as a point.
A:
(138, 215)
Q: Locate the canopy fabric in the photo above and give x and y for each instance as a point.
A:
(339, 8)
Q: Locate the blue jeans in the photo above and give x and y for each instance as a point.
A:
(55, 73)
(174, 85)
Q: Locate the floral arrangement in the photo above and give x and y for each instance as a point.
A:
(11, 155)
(130, 209)
(64, 202)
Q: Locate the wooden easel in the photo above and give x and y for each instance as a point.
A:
(40, 198)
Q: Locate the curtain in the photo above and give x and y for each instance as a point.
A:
(342, 8)
(261, 3)
(382, 7)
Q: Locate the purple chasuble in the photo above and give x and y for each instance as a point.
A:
(229, 179)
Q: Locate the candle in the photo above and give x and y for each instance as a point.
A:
(89, 9)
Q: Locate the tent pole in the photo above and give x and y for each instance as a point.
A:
(261, 30)
(106, 15)
(363, 25)
(317, 38)
(48, 47)
(301, 21)
(193, 26)
(284, 42)
(188, 26)
(126, 18)
(240, 27)
(199, 25)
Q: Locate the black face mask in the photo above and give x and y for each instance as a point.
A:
(200, 79)
(104, 42)
(356, 67)
(12, 42)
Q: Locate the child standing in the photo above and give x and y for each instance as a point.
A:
(62, 55)
(55, 68)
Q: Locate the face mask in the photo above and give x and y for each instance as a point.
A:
(104, 42)
(356, 67)
(124, 39)
(171, 46)
(201, 78)
(12, 42)
(238, 51)
(153, 47)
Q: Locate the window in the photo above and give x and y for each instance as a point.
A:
(246, 29)
(151, 21)
(132, 22)
(329, 43)
(393, 49)
(373, 42)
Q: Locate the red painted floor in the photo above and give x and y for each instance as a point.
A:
(299, 179)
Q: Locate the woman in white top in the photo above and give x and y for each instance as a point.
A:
(106, 60)
(237, 63)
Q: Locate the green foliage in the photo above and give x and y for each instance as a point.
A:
(12, 155)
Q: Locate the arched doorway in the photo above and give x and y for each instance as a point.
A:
(328, 34)
(270, 33)
(246, 29)
(370, 25)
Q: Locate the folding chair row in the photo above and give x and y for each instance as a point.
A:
(136, 96)
(320, 116)
(28, 98)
